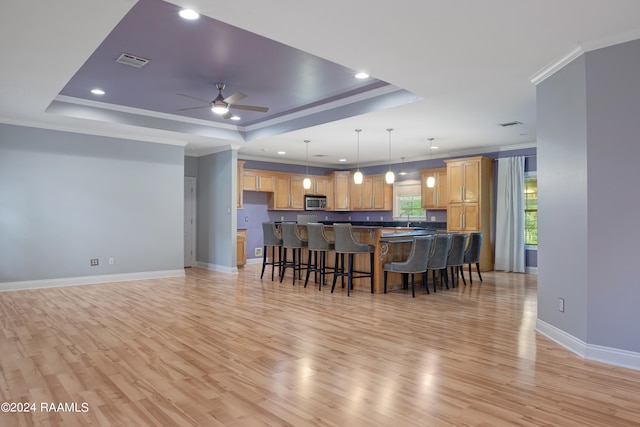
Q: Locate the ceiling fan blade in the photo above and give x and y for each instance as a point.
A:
(249, 108)
(193, 97)
(234, 97)
(192, 108)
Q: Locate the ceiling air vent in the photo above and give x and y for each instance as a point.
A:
(504, 125)
(132, 60)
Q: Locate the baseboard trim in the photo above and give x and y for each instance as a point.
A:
(531, 270)
(88, 280)
(219, 268)
(598, 353)
(254, 260)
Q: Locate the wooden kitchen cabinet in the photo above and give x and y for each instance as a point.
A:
(240, 200)
(241, 259)
(338, 197)
(289, 193)
(319, 186)
(436, 197)
(373, 194)
(258, 180)
(464, 179)
(471, 207)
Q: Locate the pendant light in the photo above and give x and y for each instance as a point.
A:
(389, 177)
(306, 183)
(431, 180)
(402, 171)
(357, 177)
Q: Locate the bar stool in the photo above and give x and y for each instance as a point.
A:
(272, 238)
(347, 244)
(291, 239)
(438, 257)
(416, 262)
(455, 259)
(318, 245)
(472, 254)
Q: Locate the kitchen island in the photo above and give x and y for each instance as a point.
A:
(390, 243)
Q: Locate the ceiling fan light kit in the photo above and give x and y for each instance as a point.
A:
(222, 105)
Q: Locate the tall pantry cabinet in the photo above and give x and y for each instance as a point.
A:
(471, 201)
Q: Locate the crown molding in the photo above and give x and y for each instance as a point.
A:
(556, 65)
(580, 49)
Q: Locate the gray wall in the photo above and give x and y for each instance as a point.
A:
(613, 156)
(66, 198)
(588, 152)
(217, 211)
(562, 199)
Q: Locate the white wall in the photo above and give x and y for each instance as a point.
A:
(217, 211)
(66, 198)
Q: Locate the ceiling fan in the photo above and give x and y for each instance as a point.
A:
(222, 105)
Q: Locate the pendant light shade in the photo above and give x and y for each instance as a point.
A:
(402, 171)
(389, 177)
(357, 177)
(431, 180)
(306, 183)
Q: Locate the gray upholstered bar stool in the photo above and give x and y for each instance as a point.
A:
(347, 244)
(291, 239)
(455, 259)
(318, 245)
(416, 262)
(272, 239)
(438, 257)
(472, 254)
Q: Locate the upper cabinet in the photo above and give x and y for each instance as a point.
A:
(436, 197)
(373, 194)
(258, 180)
(464, 179)
(289, 192)
(338, 197)
(319, 186)
(240, 184)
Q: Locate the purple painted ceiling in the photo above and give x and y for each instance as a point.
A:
(190, 57)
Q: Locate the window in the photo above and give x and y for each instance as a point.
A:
(530, 209)
(408, 200)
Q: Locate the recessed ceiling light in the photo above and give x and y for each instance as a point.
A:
(435, 147)
(97, 91)
(189, 14)
(342, 160)
(282, 153)
(362, 75)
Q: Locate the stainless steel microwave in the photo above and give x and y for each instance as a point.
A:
(315, 203)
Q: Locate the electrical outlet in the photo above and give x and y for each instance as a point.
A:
(94, 262)
(561, 304)
(381, 218)
(326, 217)
(246, 219)
(433, 219)
(258, 251)
(282, 218)
(349, 217)
(367, 217)
(111, 261)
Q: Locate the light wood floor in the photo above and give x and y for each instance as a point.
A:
(213, 349)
